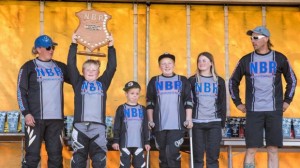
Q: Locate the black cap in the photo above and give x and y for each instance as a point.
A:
(166, 55)
(130, 85)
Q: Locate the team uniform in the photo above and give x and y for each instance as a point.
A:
(40, 93)
(169, 97)
(209, 113)
(264, 95)
(131, 133)
(88, 134)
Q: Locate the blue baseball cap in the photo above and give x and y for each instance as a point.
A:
(44, 41)
(260, 30)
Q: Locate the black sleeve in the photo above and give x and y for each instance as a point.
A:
(118, 124)
(222, 100)
(291, 81)
(22, 89)
(72, 65)
(151, 94)
(187, 93)
(234, 83)
(192, 81)
(146, 131)
(111, 67)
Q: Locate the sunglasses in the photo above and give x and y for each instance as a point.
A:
(50, 47)
(257, 37)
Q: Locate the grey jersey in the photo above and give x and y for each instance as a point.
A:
(206, 92)
(133, 120)
(168, 91)
(50, 78)
(92, 101)
(263, 82)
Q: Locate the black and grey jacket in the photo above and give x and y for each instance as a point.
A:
(40, 88)
(209, 99)
(131, 126)
(263, 73)
(169, 97)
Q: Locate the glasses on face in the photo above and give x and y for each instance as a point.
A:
(257, 37)
(50, 47)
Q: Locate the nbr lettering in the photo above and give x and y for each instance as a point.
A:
(133, 113)
(168, 85)
(89, 16)
(91, 86)
(263, 67)
(56, 71)
(206, 87)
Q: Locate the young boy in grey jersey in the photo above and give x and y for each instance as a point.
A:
(209, 112)
(265, 102)
(131, 132)
(169, 110)
(88, 136)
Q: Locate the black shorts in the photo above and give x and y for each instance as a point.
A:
(257, 122)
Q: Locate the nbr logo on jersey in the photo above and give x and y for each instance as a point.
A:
(54, 73)
(263, 67)
(168, 85)
(136, 113)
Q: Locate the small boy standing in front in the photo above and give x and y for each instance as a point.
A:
(88, 135)
(131, 129)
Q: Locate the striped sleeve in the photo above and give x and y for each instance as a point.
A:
(22, 89)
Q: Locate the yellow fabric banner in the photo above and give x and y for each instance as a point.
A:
(20, 25)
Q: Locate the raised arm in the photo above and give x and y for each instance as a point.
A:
(72, 61)
(111, 66)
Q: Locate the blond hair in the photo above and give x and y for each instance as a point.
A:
(34, 51)
(91, 62)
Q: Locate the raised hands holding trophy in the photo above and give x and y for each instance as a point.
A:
(92, 32)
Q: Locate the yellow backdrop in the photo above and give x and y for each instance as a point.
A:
(20, 25)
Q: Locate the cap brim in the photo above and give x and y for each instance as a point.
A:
(249, 32)
(55, 44)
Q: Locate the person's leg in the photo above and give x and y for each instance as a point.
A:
(138, 160)
(97, 155)
(160, 138)
(54, 142)
(214, 137)
(80, 145)
(273, 161)
(174, 141)
(274, 137)
(97, 145)
(255, 122)
(249, 160)
(33, 141)
(125, 159)
(199, 140)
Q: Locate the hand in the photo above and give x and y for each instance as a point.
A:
(147, 147)
(242, 108)
(115, 146)
(110, 40)
(74, 38)
(151, 124)
(285, 106)
(29, 120)
(188, 124)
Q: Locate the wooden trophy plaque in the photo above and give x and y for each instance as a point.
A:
(92, 32)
